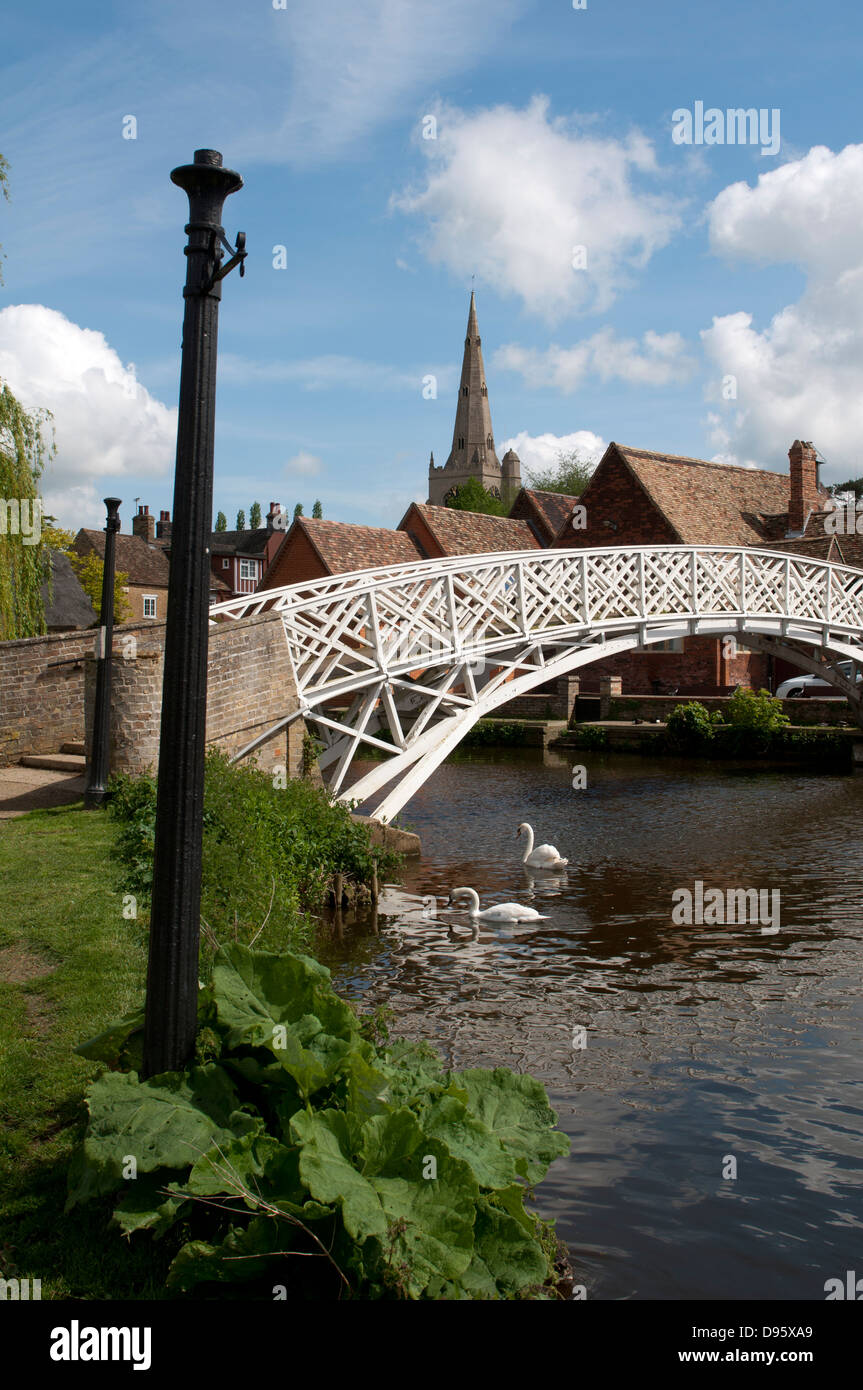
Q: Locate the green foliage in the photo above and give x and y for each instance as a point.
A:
(494, 732)
(90, 570)
(298, 510)
(221, 522)
(241, 521)
(570, 475)
(24, 566)
(762, 712)
(589, 736)
(268, 852)
(473, 497)
(317, 510)
(255, 515)
(310, 1156)
(854, 485)
(691, 724)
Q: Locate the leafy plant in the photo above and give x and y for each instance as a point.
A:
(691, 724)
(590, 736)
(763, 712)
(310, 1156)
(268, 852)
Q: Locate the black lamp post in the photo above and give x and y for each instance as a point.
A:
(172, 974)
(100, 748)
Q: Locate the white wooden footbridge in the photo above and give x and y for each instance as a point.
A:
(406, 658)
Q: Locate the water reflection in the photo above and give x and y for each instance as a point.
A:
(702, 1041)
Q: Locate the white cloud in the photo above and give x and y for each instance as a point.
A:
(106, 423)
(332, 371)
(511, 193)
(798, 377)
(658, 360)
(541, 452)
(304, 464)
(356, 63)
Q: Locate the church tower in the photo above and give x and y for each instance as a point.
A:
(472, 454)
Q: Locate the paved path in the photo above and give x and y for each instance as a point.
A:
(25, 789)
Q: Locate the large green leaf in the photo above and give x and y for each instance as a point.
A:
(166, 1122)
(121, 1043)
(255, 991)
(330, 1176)
(247, 1252)
(505, 1260)
(429, 1221)
(468, 1138)
(516, 1108)
(146, 1206)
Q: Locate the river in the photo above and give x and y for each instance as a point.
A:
(702, 1043)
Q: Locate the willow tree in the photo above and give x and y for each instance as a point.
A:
(24, 561)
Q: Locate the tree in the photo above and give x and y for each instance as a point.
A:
(854, 485)
(90, 570)
(221, 522)
(570, 475)
(255, 515)
(473, 497)
(298, 510)
(24, 561)
(317, 511)
(241, 520)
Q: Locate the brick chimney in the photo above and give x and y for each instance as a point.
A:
(804, 484)
(163, 526)
(144, 525)
(272, 523)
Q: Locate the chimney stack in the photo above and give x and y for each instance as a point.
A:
(274, 512)
(144, 525)
(805, 497)
(163, 526)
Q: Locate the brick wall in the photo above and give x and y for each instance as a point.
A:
(296, 560)
(250, 685)
(835, 712)
(619, 511)
(41, 704)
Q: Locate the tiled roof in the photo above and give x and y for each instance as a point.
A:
(549, 510)
(471, 533)
(239, 542)
(69, 606)
(344, 546)
(711, 503)
(143, 563)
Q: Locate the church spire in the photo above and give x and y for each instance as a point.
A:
(472, 437)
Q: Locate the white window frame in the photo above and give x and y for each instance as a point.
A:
(244, 565)
(150, 598)
(226, 564)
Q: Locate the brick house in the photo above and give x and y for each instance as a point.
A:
(314, 548)
(544, 512)
(142, 559)
(240, 559)
(638, 497)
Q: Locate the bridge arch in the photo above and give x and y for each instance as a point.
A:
(407, 658)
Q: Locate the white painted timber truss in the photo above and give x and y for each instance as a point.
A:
(406, 658)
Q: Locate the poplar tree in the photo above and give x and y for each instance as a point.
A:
(255, 515)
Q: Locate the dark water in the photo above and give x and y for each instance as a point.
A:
(702, 1041)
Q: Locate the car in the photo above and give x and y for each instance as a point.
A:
(809, 687)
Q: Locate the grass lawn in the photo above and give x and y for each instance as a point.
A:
(70, 963)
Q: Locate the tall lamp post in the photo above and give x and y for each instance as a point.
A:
(100, 747)
(172, 973)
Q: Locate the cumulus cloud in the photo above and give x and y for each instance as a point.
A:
(541, 452)
(798, 376)
(106, 423)
(303, 464)
(658, 360)
(538, 209)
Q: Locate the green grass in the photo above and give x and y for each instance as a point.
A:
(61, 914)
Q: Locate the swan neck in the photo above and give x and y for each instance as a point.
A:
(528, 830)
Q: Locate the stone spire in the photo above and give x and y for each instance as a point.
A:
(473, 453)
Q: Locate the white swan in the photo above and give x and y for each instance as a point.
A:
(501, 912)
(544, 856)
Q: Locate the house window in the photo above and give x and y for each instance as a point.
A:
(248, 569)
(150, 605)
(226, 564)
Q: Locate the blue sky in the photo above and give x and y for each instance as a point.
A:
(702, 264)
